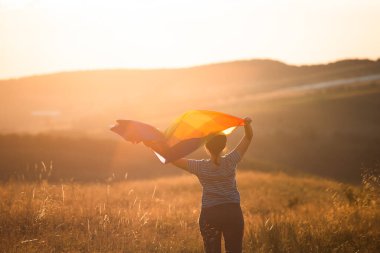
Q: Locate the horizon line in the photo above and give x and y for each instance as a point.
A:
(40, 74)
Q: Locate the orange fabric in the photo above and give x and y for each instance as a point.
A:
(200, 124)
(184, 136)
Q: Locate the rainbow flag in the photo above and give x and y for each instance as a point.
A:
(186, 134)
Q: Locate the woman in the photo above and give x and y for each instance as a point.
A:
(221, 212)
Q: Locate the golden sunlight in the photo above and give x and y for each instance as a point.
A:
(129, 125)
(43, 36)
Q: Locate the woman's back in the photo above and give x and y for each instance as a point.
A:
(218, 181)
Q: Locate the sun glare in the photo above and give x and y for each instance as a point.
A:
(40, 36)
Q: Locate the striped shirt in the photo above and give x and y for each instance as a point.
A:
(218, 181)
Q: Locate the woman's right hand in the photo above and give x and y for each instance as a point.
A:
(248, 128)
(242, 147)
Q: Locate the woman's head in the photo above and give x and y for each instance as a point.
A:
(216, 144)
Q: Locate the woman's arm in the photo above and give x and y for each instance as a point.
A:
(242, 147)
(181, 163)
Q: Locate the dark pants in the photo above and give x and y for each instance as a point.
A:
(226, 219)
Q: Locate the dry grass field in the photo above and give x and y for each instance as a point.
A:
(282, 214)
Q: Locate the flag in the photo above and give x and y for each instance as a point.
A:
(186, 134)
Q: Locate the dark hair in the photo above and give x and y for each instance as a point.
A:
(216, 144)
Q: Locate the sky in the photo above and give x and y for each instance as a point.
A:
(46, 36)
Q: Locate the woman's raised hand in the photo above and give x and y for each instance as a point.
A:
(248, 128)
(247, 120)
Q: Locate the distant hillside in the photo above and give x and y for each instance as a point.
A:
(331, 130)
(81, 100)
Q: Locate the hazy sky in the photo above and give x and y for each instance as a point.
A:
(43, 36)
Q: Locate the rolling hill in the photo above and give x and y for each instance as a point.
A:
(319, 119)
(88, 99)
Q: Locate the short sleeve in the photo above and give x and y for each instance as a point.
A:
(233, 157)
(194, 166)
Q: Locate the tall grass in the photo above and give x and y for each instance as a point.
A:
(282, 214)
